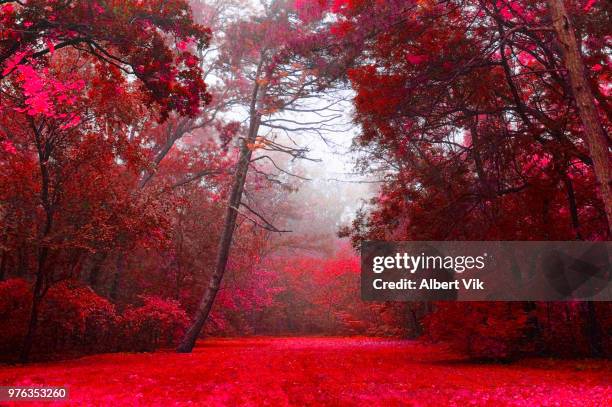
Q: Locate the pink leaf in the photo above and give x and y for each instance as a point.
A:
(417, 59)
(181, 45)
(8, 147)
(50, 45)
(589, 5)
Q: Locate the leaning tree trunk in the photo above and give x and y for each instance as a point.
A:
(594, 132)
(227, 234)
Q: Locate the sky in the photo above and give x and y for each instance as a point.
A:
(333, 190)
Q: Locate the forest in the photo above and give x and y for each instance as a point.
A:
(197, 176)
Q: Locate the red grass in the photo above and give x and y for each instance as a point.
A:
(317, 371)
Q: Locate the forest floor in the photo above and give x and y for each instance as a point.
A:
(317, 371)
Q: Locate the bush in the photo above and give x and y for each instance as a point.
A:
(157, 323)
(564, 328)
(74, 319)
(15, 303)
(489, 331)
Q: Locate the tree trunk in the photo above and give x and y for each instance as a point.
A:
(593, 330)
(37, 296)
(573, 207)
(94, 273)
(39, 289)
(22, 261)
(121, 265)
(3, 261)
(594, 132)
(173, 134)
(227, 234)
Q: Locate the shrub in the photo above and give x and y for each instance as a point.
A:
(564, 328)
(493, 330)
(15, 303)
(157, 323)
(74, 319)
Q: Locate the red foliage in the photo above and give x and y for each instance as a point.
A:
(481, 330)
(506, 330)
(564, 331)
(15, 302)
(462, 107)
(132, 35)
(317, 295)
(73, 317)
(114, 166)
(462, 127)
(157, 323)
(75, 320)
(318, 372)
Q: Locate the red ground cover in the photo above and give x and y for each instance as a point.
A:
(318, 371)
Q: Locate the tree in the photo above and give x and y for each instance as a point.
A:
(268, 54)
(133, 36)
(69, 172)
(598, 142)
(467, 108)
(487, 120)
(51, 108)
